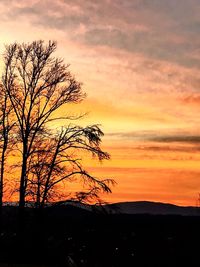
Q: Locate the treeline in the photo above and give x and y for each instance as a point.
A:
(34, 87)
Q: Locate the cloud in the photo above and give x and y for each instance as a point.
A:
(158, 29)
(178, 138)
(179, 148)
(154, 136)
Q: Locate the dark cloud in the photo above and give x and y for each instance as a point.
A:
(157, 148)
(49, 14)
(114, 37)
(177, 138)
(147, 43)
(157, 29)
(155, 137)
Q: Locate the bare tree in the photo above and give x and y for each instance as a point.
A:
(37, 85)
(56, 161)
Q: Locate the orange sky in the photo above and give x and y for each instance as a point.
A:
(139, 63)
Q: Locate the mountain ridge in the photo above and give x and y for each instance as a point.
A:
(155, 208)
(129, 207)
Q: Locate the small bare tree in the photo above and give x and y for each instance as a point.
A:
(55, 161)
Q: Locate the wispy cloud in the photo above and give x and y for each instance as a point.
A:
(155, 136)
(177, 138)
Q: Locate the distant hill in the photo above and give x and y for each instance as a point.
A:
(135, 207)
(154, 208)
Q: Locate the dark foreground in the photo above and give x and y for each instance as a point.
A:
(71, 237)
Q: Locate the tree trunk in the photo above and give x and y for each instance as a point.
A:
(22, 189)
(3, 152)
(1, 178)
(3, 155)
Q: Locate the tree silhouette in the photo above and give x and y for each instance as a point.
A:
(37, 85)
(55, 160)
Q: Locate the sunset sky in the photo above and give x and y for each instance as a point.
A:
(139, 62)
